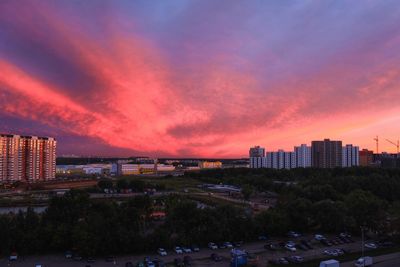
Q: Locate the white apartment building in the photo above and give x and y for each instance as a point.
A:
(350, 156)
(303, 156)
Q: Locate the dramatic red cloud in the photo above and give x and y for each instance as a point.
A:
(132, 94)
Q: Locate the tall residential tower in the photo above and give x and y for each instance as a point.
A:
(27, 158)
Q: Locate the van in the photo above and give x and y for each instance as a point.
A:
(364, 262)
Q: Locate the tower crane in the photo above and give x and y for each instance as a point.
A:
(395, 144)
(377, 144)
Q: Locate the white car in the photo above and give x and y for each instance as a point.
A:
(228, 245)
(290, 247)
(319, 237)
(212, 246)
(330, 253)
(178, 250)
(186, 250)
(371, 245)
(162, 252)
(13, 257)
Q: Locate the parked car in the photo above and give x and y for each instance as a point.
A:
(306, 243)
(301, 246)
(293, 234)
(128, 264)
(212, 246)
(290, 247)
(150, 264)
(162, 252)
(110, 259)
(280, 261)
(158, 263)
(187, 249)
(228, 244)
(271, 246)
(262, 237)
(89, 260)
(339, 251)
(371, 245)
(238, 244)
(68, 254)
(296, 259)
(329, 252)
(178, 250)
(344, 234)
(364, 262)
(326, 242)
(13, 256)
(195, 248)
(319, 237)
(216, 257)
(221, 246)
(77, 257)
(385, 244)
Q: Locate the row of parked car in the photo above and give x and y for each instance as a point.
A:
(287, 260)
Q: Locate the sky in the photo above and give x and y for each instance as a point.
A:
(199, 78)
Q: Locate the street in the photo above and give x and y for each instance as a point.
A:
(201, 258)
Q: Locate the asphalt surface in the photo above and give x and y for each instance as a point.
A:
(201, 258)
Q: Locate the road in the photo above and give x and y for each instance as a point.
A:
(389, 260)
(200, 259)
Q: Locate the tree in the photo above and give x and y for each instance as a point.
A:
(366, 209)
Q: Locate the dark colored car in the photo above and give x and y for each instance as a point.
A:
(301, 246)
(158, 263)
(238, 244)
(77, 257)
(280, 261)
(222, 246)
(129, 264)
(271, 246)
(110, 259)
(262, 237)
(295, 259)
(326, 242)
(216, 257)
(306, 243)
(195, 248)
(90, 260)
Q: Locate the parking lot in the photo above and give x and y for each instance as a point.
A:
(202, 258)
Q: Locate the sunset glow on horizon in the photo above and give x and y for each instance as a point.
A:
(186, 78)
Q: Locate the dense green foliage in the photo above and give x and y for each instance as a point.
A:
(308, 200)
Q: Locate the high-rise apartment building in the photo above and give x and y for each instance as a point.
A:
(350, 156)
(257, 157)
(257, 152)
(27, 158)
(366, 157)
(326, 154)
(303, 156)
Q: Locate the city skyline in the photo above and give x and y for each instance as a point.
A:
(199, 78)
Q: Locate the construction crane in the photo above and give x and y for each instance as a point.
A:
(395, 144)
(377, 144)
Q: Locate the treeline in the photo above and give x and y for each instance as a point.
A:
(311, 201)
(92, 227)
(327, 200)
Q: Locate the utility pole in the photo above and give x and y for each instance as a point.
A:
(362, 244)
